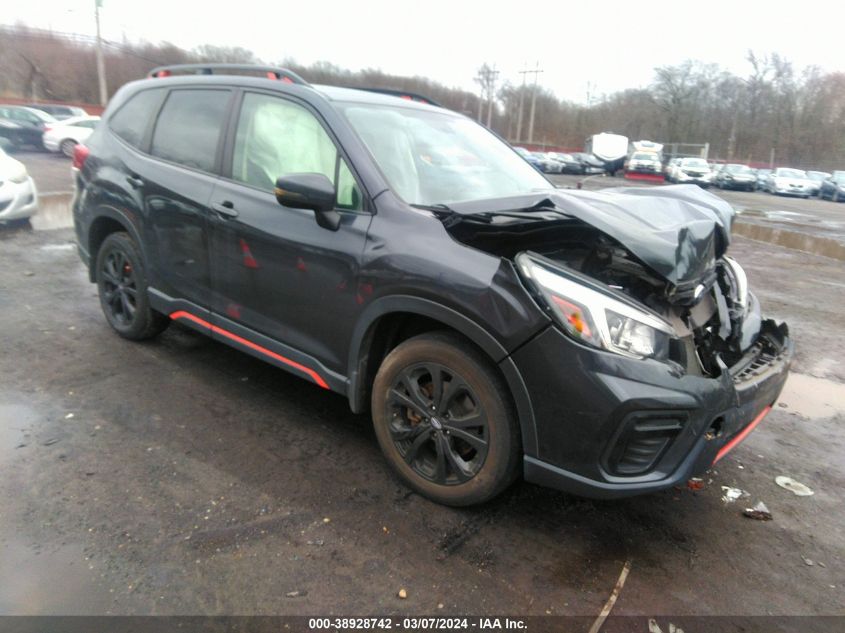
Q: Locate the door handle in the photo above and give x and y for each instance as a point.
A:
(225, 209)
(135, 181)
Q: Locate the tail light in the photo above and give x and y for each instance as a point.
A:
(47, 128)
(80, 155)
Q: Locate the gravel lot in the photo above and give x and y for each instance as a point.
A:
(182, 477)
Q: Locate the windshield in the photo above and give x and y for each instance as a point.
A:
(790, 173)
(695, 162)
(431, 157)
(651, 157)
(738, 169)
(838, 178)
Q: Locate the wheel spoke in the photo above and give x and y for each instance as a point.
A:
(436, 374)
(469, 420)
(477, 442)
(413, 388)
(408, 433)
(406, 401)
(441, 449)
(108, 277)
(455, 386)
(131, 292)
(455, 463)
(414, 448)
(128, 310)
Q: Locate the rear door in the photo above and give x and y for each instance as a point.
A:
(177, 179)
(278, 278)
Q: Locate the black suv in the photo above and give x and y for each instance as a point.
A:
(402, 255)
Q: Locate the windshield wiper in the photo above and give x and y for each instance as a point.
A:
(450, 217)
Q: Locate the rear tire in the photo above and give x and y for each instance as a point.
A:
(122, 286)
(443, 419)
(67, 146)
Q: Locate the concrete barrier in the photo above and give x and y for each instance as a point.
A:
(794, 240)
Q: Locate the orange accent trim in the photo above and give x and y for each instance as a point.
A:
(727, 448)
(182, 314)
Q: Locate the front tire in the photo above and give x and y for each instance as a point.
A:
(122, 286)
(443, 419)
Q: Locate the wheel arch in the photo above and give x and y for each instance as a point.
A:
(390, 320)
(108, 220)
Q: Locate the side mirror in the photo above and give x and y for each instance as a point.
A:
(310, 191)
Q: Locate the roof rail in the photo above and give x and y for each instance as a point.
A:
(271, 72)
(403, 94)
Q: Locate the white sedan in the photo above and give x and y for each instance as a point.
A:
(67, 134)
(18, 196)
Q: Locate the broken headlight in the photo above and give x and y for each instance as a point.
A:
(596, 318)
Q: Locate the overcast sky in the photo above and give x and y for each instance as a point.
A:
(600, 46)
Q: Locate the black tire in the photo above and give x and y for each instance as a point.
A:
(122, 286)
(424, 441)
(67, 146)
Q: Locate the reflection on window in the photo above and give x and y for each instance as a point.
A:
(277, 138)
(188, 127)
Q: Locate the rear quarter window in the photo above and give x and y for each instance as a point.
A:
(189, 125)
(131, 120)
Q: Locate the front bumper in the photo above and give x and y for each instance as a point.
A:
(694, 179)
(610, 426)
(18, 200)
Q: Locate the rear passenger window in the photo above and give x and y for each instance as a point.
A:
(188, 128)
(131, 120)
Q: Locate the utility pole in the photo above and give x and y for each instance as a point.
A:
(101, 67)
(536, 72)
(491, 92)
(522, 72)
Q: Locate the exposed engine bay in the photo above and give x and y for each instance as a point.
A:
(715, 318)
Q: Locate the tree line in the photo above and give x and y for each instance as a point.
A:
(772, 112)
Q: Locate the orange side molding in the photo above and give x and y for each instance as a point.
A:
(181, 314)
(727, 448)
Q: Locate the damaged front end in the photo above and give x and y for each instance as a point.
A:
(660, 252)
(662, 361)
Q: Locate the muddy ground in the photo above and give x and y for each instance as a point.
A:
(182, 477)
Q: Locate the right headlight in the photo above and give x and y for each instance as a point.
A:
(596, 318)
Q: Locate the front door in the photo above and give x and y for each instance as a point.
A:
(278, 277)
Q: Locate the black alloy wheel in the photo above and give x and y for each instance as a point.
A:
(122, 286)
(444, 420)
(438, 424)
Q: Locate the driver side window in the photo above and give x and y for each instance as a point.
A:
(276, 138)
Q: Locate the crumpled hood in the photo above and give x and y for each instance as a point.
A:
(679, 231)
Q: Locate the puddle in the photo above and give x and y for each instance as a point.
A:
(58, 247)
(53, 212)
(813, 397)
(47, 581)
(15, 423)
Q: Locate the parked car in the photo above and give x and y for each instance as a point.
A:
(816, 178)
(492, 324)
(568, 163)
(547, 165)
(736, 176)
(24, 126)
(691, 171)
(643, 163)
(18, 195)
(789, 182)
(67, 134)
(762, 176)
(669, 169)
(590, 165)
(530, 158)
(833, 188)
(59, 111)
